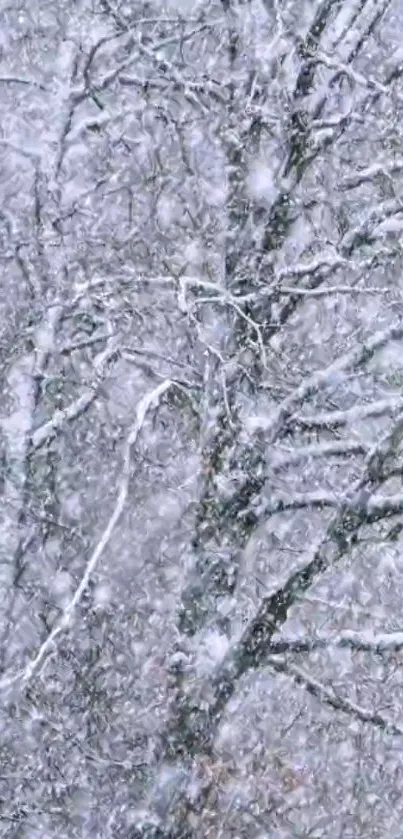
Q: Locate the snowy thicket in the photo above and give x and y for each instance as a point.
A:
(201, 427)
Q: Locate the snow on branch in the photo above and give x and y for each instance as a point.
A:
(375, 508)
(30, 154)
(325, 292)
(327, 696)
(370, 173)
(17, 428)
(254, 646)
(150, 400)
(340, 419)
(302, 269)
(49, 429)
(365, 641)
(26, 82)
(282, 458)
(300, 501)
(380, 507)
(360, 354)
(372, 225)
(78, 406)
(346, 70)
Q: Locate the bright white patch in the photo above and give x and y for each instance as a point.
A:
(260, 182)
(215, 196)
(387, 564)
(183, 7)
(252, 424)
(388, 358)
(227, 734)
(212, 649)
(72, 505)
(61, 583)
(165, 211)
(193, 254)
(18, 423)
(102, 595)
(389, 226)
(396, 59)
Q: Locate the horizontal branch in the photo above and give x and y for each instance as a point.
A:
(328, 263)
(365, 641)
(370, 173)
(372, 510)
(82, 344)
(325, 292)
(340, 419)
(194, 729)
(302, 501)
(26, 82)
(383, 507)
(187, 86)
(336, 448)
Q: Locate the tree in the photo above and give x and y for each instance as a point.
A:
(202, 420)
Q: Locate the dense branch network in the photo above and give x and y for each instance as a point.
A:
(299, 107)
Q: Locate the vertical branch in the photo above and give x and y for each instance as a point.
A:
(219, 535)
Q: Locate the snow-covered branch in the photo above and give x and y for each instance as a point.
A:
(384, 169)
(346, 70)
(328, 696)
(360, 354)
(366, 641)
(302, 501)
(341, 419)
(78, 406)
(281, 458)
(380, 507)
(254, 645)
(25, 82)
(150, 400)
(372, 510)
(324, 292)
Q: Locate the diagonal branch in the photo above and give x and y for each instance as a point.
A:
(48, 430)
(148, 401)
(193, 727)
(327, 696)
(312, 384)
